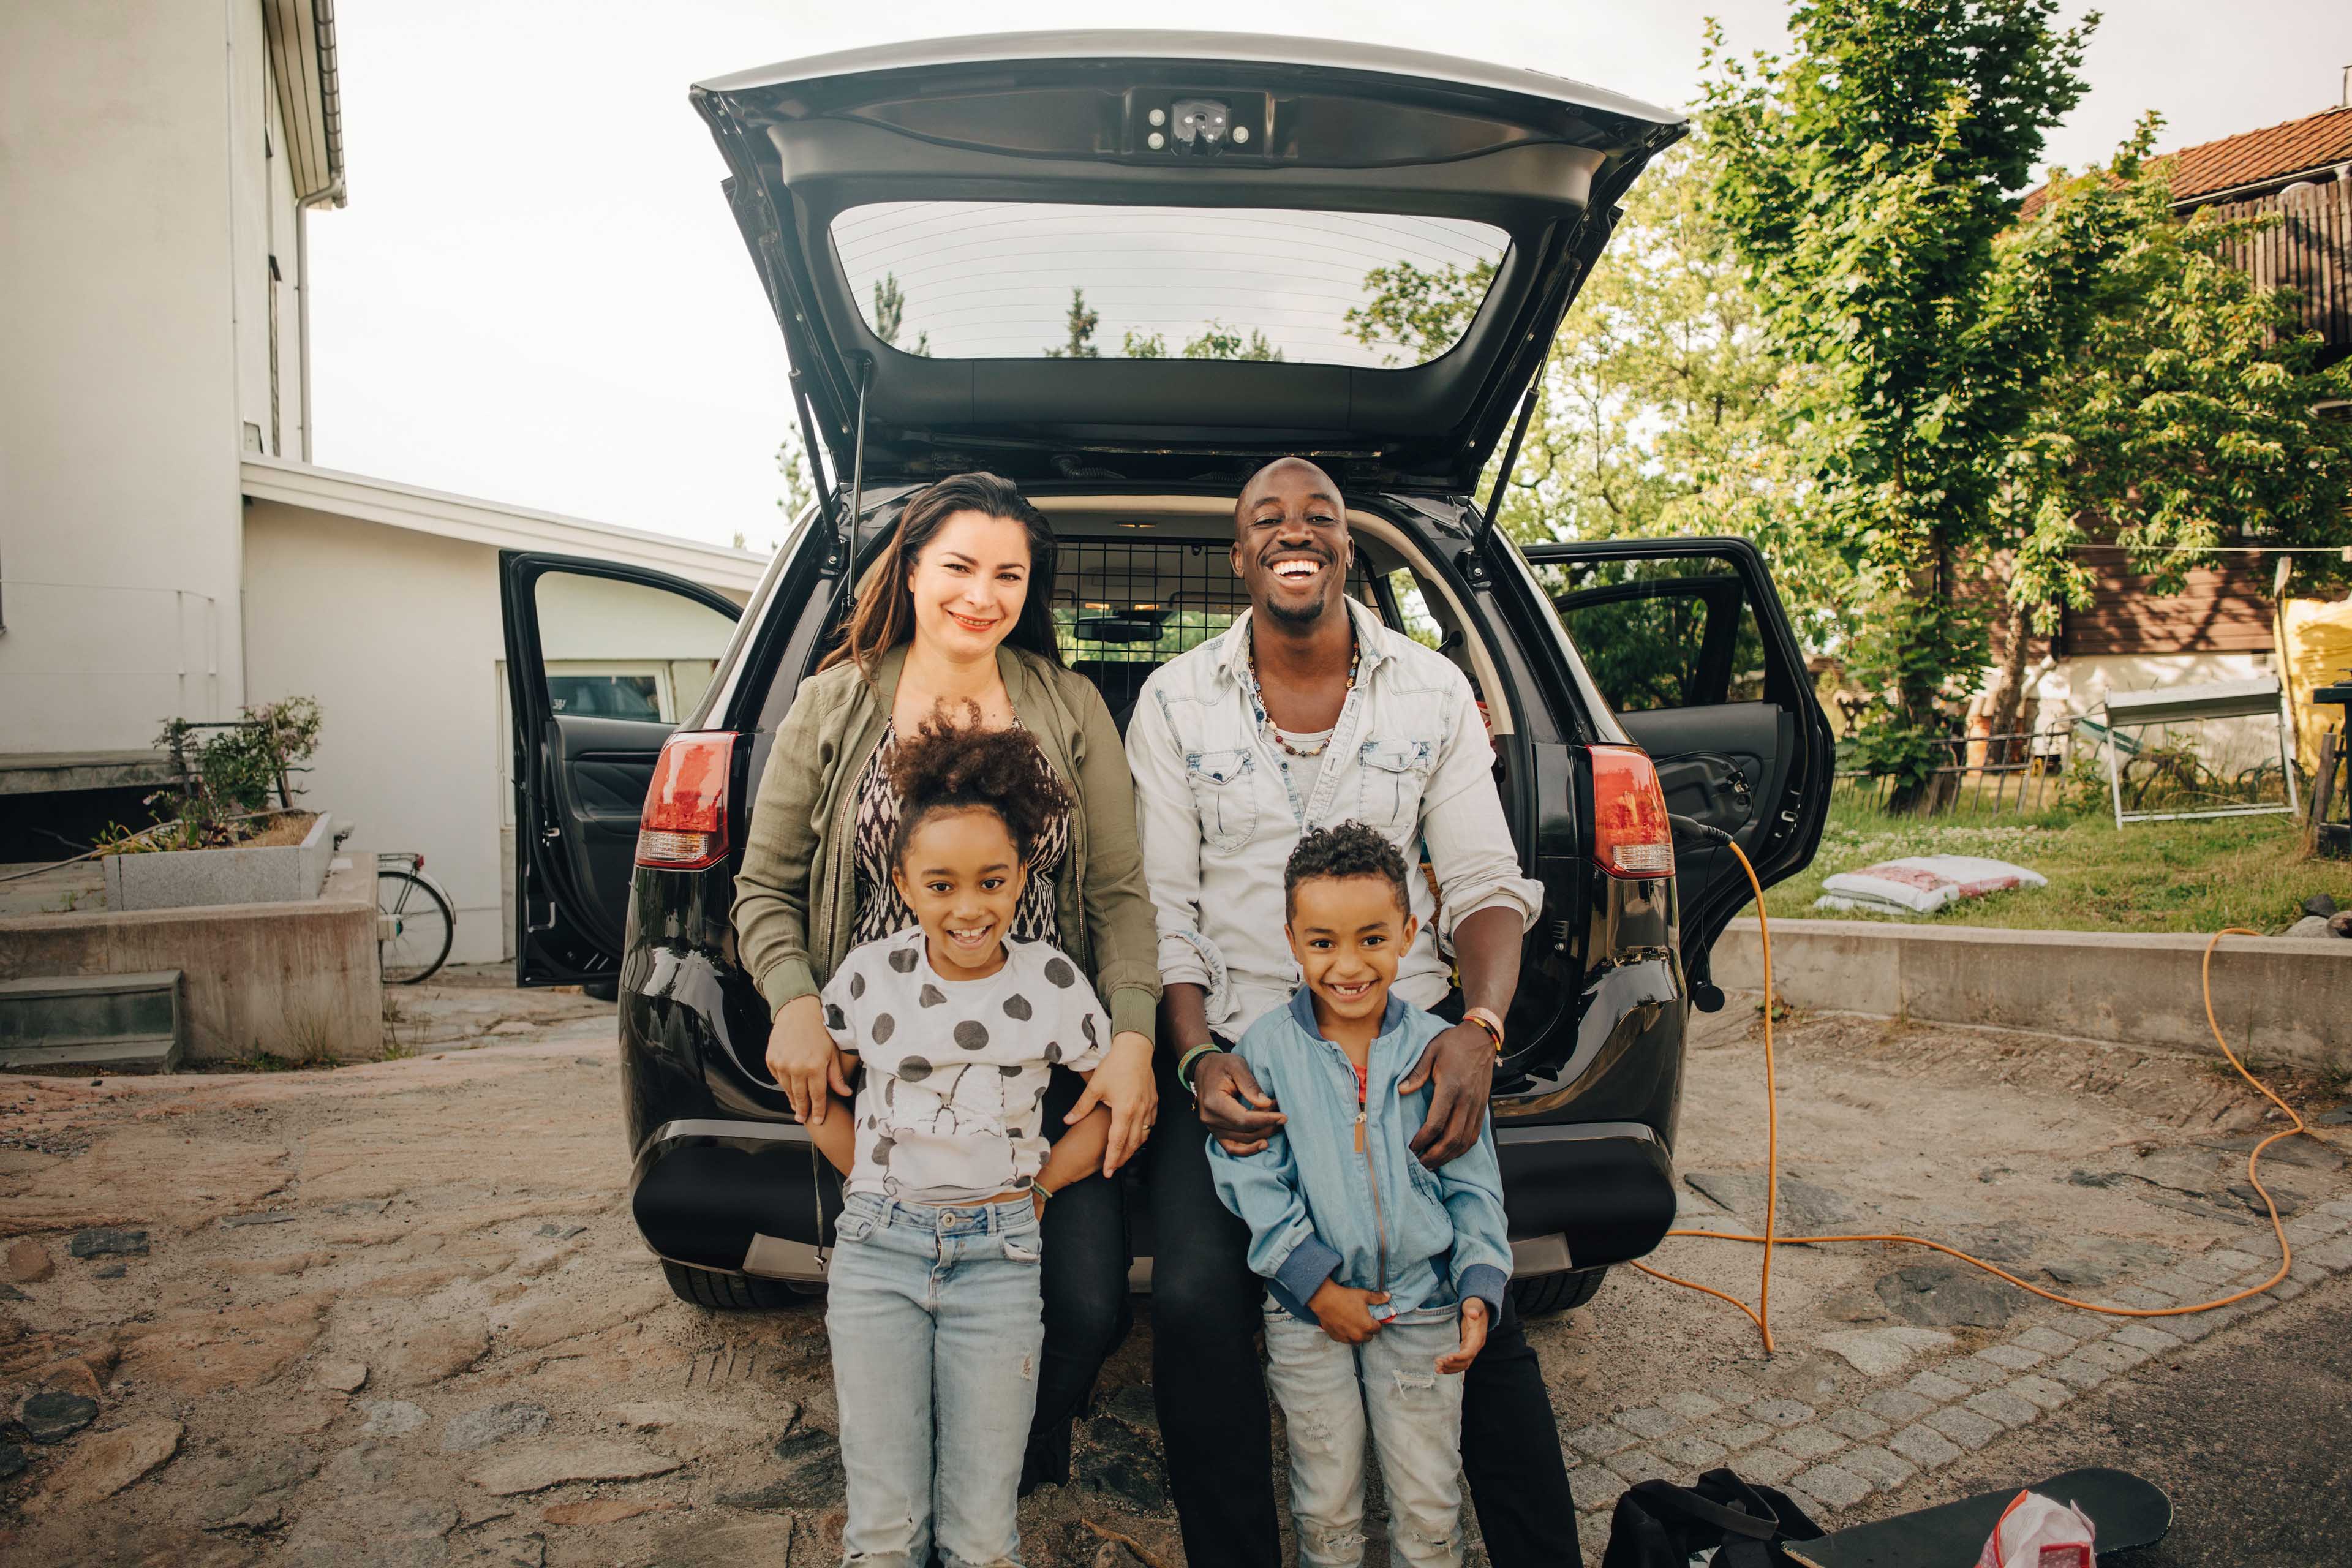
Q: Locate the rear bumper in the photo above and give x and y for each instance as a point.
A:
(741, 1197)
(1584, 1194)
(755, 1197)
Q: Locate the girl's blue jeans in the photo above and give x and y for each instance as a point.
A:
(936, 1323)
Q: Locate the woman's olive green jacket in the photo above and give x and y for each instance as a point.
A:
(796, 896)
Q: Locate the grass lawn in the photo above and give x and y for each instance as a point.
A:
(2155, 876)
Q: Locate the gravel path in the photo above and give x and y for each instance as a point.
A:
(397, 1313)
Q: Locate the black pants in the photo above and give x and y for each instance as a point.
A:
(1213, 1416)
(1085, 1286)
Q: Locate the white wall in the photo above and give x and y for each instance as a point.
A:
(397, 635)
(137, 200)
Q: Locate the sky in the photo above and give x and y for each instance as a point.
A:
(537, 296)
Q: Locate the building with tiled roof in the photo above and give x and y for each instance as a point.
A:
(2301, 173)
(2223, 625)
(2318, 147)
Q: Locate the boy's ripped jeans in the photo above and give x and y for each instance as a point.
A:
(1327, 1389)
(935, 1320)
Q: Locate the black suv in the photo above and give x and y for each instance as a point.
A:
(944, 230)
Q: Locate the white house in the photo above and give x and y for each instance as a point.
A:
(166, 549)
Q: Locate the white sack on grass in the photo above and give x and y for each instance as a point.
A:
(1922, 884)
(2037, 1531)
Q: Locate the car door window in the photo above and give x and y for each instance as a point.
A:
(1661, 633)
(614, 649)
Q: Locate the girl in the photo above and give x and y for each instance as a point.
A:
(934, 1308)
(959, 610)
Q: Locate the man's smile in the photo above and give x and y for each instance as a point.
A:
(1298, 570)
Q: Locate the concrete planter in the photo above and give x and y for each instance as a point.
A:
(299, 979)
(183, 879)
(2277, 996)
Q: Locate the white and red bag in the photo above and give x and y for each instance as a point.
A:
(1922, 884)
(2036, 1531)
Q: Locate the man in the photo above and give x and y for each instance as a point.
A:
(1308, 712)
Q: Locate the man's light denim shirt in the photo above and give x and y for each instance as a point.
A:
(1219, 813)
(1315, 1207)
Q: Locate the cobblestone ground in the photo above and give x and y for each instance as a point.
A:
(398, 1313)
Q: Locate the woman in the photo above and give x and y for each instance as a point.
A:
(959, 613)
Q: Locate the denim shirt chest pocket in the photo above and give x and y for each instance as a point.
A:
(1391, 776)
(1224, 791)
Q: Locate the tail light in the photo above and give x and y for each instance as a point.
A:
(684, 827)
(1631, 835)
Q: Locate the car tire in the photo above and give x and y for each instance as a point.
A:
(737, 1293)
(1542, 1295)
(607, 989)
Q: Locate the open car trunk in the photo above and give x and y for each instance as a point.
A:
(933, 223)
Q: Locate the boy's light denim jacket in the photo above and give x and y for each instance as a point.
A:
(1379, 1220)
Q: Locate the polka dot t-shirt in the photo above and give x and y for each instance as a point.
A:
(952, 1105)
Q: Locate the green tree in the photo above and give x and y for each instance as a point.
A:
(1143, 345)
(1218, 340)
(2176, 398)
(1863, 181)
(800, 493)
(890, 315)
(1082, 324)
(1656, 412)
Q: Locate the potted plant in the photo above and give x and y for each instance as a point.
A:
(226, 831)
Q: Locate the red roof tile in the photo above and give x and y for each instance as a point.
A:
(2251, 157)
(2314, 142)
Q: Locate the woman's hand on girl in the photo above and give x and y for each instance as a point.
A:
(802, 1059)
(1123, 1081)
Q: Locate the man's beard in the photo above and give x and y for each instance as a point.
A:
(1299, 614)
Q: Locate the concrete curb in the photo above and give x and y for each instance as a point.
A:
(2280, 997)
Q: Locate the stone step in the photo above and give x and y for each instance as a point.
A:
(122, 1023)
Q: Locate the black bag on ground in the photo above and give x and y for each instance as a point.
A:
(1658, 1524)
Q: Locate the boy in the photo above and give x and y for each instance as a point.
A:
(1382, 1274)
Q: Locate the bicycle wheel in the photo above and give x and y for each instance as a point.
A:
(415, 927)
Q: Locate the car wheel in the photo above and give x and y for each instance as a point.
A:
(1542, 1295)
(607, 989)
(737, 1293)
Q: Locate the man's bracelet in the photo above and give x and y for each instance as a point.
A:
(1184, 1065)
(1482, 1018)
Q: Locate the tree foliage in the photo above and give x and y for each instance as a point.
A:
(890, 315)
(2176, 403)
(1080, 344)
(1864, 179)
(1657, 411)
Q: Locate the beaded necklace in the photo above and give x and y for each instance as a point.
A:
(1266, 724)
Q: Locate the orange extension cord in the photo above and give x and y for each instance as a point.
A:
(1761, 1314)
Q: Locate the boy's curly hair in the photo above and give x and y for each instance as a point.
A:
(1346, 850)
(950, 767)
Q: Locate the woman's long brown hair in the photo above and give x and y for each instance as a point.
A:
(884, 616)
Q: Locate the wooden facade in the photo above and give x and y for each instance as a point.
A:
(2224, 607)
(2309, 250)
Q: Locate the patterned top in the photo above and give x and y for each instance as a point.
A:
(952, 1106)
(880, 909)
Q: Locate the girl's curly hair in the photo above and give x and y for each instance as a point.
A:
(950, 767)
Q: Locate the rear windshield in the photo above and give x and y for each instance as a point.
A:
(1052, 279)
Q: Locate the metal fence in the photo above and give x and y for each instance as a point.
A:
(2016, 773)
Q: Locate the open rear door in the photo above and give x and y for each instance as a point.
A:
(1688, 641)
(603, 661)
